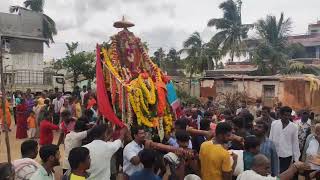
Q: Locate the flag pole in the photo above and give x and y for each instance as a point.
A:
(3, 104)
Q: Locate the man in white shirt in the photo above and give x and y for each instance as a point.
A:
(72, 140)
(284, 134)
(313, 146)
(102, 151)
(57, 103)
(27, 166)
(261, 170)
(83, 92)
(131, 160)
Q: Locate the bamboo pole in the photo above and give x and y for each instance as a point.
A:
(3, 104)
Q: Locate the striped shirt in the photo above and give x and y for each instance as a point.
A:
(268, 149)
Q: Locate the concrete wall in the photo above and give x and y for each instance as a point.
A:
(253, 89)
(294, 93)
(26, 23)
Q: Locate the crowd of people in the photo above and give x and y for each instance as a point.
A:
(257, 143)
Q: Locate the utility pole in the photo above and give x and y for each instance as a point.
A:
(240, 6)
(3, 104)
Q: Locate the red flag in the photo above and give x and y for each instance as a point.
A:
(104, 105)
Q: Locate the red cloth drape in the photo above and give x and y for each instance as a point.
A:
(104, 105)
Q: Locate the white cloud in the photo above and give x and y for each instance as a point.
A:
(162, 23)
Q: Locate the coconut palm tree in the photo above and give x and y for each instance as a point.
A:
(231, 30)
(272, 51)
(214, 55)
(197, 59)
(49, 26)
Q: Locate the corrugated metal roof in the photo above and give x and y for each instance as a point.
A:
(240, 70)
(275, 77)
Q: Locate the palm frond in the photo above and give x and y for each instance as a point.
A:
(193, 40)
(34, 5)
(230, 10)
(49, 29)
(219, 37)
(219, 23)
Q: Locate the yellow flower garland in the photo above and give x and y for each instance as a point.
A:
(150, 95)
(168, 123)
(110, 66)
(138, 90)
(140, 117)
(139, 96)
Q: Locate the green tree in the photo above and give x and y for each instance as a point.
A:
(49, 26)
(172, 60)
(196, 60)
(231, 30)
(90, 67)
(214, 55)
(271, 55)
(79, 63)
(57, 65)
(296, 50)
(159, 57)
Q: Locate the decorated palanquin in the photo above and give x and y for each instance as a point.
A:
(140, 92)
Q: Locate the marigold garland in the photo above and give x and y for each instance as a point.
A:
(150, 95)
(168, 123)
(108, 62)
(135, 104)
(139, 97)
(136, 95)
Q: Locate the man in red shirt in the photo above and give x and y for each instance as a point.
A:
(46, 128)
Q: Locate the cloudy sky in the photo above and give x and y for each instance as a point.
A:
(162, 23)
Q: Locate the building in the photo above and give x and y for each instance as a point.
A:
(311, 40)
(295, 91)
(240, 68)
(22, 42)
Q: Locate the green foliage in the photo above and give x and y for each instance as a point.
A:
(231, 30)
(159, 56)
(296, 67)
(34, 5)
(296, 50)
(79, 63)
(196, 61)
(49, 26)
(57, 65)
(273, 52)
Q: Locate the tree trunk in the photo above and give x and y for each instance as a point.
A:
(89, 83)
(75, 79)
(232, 55)
(190, 81)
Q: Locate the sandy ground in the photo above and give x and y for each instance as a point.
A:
(15, 149)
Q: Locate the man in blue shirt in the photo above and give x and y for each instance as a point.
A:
(147, 158)
(267, 147)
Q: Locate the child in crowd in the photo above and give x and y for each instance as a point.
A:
(32, 125)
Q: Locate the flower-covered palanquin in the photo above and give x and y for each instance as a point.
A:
(137, 86)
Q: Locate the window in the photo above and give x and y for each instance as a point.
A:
(269, 91)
